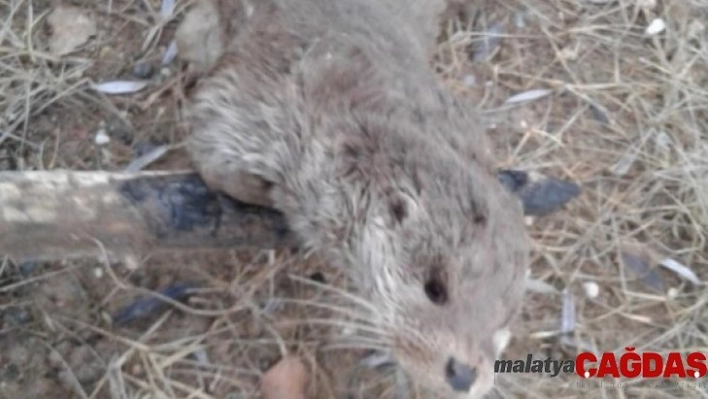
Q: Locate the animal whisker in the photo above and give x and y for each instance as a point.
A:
(355, 299)
(348, 311)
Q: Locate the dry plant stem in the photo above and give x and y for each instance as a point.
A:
(62, 214)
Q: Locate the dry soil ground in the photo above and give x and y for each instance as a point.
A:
(624, 112)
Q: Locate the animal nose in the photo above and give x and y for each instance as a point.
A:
(459, 375)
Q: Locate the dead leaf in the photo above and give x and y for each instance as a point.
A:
(529, 95)
(641, 265)
(489, 44)
(680, 269)
(146, 159)
(285, 380)
(71, 27)
(377, 360)
(170, 53)
(599, 114)
(539, 194)
(120, 87)
(567, 313)
(167, 8)
(540, 287)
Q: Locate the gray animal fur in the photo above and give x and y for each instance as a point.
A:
(330, 111)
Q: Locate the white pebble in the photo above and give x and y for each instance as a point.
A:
(98, 272)
(102, 138)
(655, 27)
(592, 290)
(131, 262)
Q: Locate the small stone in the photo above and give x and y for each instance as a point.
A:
(655, 27)
(102, 137)
(98, 272)
(131, 262)
(592, 290)
(142, 70)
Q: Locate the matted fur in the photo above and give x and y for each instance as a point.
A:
(331, 109)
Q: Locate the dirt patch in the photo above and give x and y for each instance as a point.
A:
(625, 115)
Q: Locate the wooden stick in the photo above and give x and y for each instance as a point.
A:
(69, 214)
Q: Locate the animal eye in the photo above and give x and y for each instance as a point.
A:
(436, 291)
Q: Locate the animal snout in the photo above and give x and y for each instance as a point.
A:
(459, 375)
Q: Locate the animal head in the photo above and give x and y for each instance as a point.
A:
(401, 194)
(446, 273)
(441, 258)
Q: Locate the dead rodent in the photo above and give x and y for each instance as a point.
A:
(329, 111)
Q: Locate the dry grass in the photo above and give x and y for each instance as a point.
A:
(627, 117)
